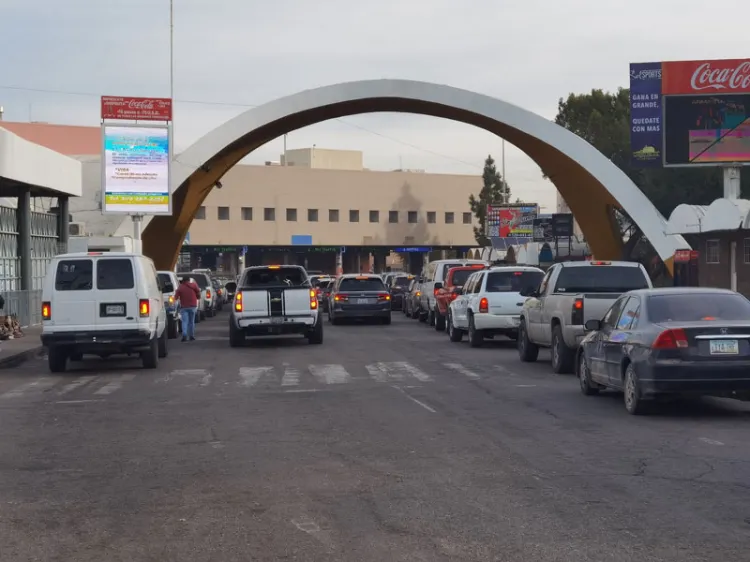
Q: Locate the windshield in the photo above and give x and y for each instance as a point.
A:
(286, 276)
(460, 276)
(694, 307)
(200, 279)
(512, 281)
(601, 279)
(165, 278)
(364, 284)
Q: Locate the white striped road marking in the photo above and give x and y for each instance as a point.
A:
(78, 383)
(710, 441)
(410, 397)
(38, 385)
(396, 371)
(76, 401)
(330, 374)
(204, 375)
(251, 375)
(411, 370)
(378, 371)
(463, 370)
(116, 384)
(291, 376)
(503, 370)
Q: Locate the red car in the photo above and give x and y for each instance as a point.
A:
(446, 294)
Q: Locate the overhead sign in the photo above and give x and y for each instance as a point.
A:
(562, 225)
(136, 169)
(542, 229)
(731, 76)
(136, 109)
(645, 115)
(511, 221)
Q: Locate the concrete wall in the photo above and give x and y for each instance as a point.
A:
(323, 158)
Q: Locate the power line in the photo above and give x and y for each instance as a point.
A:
(250, 105)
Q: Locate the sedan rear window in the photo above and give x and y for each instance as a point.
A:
(512, 281)
(365, 284)
(74, 275)
(601, 279)
(113, 274)
(697, 306)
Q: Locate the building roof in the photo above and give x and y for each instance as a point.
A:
(722, 214)
(71, 140)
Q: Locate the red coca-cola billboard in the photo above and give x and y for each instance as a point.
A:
(136, 109)
(731, 76)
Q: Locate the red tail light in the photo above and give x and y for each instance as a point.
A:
(484, 305)
(435, 292)
(341, 297)
(238, 302)
(46, 311)
(454, 296)
(313, 299)
(384, 297)
(576, 316)
(208, 293)
(144, 307)
(671, 339)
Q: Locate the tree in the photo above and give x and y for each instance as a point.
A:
(603, 119)
(494, 190)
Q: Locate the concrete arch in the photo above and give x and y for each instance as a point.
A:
(590, 184)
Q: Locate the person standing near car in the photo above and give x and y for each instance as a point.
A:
(188, 294)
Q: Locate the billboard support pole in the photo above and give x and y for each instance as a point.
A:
(137, 227)
(732, 182)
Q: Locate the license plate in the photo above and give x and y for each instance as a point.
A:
(363, 301)
(724, 347)
(277, 320)
(114, 310)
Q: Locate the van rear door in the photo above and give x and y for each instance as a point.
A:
(73, 299)
(117, 298)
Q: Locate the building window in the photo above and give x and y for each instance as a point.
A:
(467, 218)
(412, 216)
(449, 218)
(269, 214)
(247, 213)
(393, 217)
(431, 217)
(353, 216)
(374, 216)
(746, 250)
(312, 215)
(223, 213)
(713, 251)
(291, 215)
(201, 214)
(333, 215)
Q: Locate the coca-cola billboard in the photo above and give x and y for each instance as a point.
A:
(717, 77)
(136, 109)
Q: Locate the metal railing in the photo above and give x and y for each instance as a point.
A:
(25, 305)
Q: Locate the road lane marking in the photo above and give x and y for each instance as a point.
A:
(396, 371)
(525, 386)
(38, 385)
(413, 371)
(78, 383)
(115, 385)
(377, 371)
(291, 376)
(425, 406)
(306, 390)
(330, 374)
(251, 375)
(462, 370)
(503, 370)
(710, 441)
(77, 401)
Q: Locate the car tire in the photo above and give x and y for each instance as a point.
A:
(162, 344)
(150, 357)
(439, 321)
(172, 328)
(455, 334)
(431, 318)
(422, 316)
(316, 334)
(236, 336)
(584, 376)
(528, 351)
(76, 356)
(57, 358)
(563, 358)
(476, 339)
(634, 402)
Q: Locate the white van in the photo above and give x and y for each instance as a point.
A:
(103, 303)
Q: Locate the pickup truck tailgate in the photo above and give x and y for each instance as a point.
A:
(296, 302)
(596, 305)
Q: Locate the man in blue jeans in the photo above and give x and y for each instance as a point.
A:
(189, 294)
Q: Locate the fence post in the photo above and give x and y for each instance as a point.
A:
(24, 252)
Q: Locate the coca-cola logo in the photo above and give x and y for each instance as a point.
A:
(141, 104)
(706, 77)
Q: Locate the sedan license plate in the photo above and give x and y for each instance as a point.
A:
(114, 310)
(363, 301)
(724, 347)
(277, 320)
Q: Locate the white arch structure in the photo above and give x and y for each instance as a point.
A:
(590, 184)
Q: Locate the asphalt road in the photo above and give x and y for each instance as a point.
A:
(386, 443)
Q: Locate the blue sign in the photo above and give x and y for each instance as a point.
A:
(646, 138)
(301, 240)
(411, 249)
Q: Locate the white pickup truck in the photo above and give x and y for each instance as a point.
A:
(571, 293)
(275, 300)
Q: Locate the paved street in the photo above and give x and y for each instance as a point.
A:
(386, 443)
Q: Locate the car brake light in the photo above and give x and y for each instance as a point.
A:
(671, 339)
(208, 293)
(454, 296)
(576, 316)
(144, 307)
(435, 292)
(341, 297)
(238, 302)
(418, 293)
(518, 273)
(384, 297)
(274, 267)
(313, 299)
(171, 299)
(478, 266)
(46, 311)
(600, 263)
(484, 305)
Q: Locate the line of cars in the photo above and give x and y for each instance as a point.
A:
(601, 320)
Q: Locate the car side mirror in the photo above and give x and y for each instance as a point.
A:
(167, 288)
(593, 325)
(438, 285)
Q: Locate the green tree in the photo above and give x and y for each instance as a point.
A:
(494, 190)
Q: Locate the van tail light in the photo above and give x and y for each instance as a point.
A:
(484, 305)
(144, 307)
(313, 299)
(341, 297)
(576, 316)
(384, 297)
(435, 292)
(208, 293)
(171, 300)
(671, 339)
(238, 302)
(46, 311)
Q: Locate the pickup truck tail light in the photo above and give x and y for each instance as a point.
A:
(341, 297)
(576, 315)
(144, 307)
(46, 311)
(313, 299)
(484, 305)
(384, 297)
(671, 339)
(208, 293)
(238, 302)
(435, 292)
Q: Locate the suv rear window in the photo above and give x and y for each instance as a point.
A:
(697, 306)
(200, 279)
(164, 278)
(74, 275)
(459, 277)
(512, 281)
(115, 273)
(283, 276)
(601, 279)
(364, 284)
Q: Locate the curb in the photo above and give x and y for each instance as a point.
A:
(6, 362)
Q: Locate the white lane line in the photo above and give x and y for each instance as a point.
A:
(330, 374)
(503, 370)
(38, 385)
(78, 383)
(525, 386)
(425, 406)
(77, 401)
(115, 385)
(377, 371)
(411, 370)
(306, 390)
(462, 370)
(291, 376)
(205, 380)
(710, 441)
(251, 375)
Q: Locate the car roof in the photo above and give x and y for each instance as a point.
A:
(595, 263)
(355, 275)
(513, 268)
(94, 254)
(658, 291)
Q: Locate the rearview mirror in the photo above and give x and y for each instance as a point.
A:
(167, 288)
(593, 325)
(438, 285)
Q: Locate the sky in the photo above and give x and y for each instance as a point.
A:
(232, 55)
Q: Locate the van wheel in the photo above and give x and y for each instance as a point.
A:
(162, 345)
(528, 351)
(315, 336)
(236, 336)
(58, 359)
(172, 328)
(150, 357)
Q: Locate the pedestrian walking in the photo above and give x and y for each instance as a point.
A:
(189, 294)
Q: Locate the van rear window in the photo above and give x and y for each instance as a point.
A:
(74, 275)
(116, 273)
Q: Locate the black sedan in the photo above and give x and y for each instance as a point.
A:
(359, 296)
(661, 342)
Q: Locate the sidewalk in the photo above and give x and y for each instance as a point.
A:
(16, 351)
